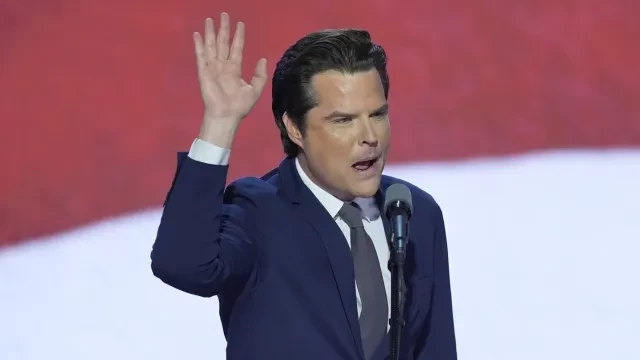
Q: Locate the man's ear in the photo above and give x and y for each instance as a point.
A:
(294, 132)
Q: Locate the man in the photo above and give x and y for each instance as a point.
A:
(298, 258)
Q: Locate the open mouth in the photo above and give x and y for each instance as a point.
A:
(365, 165)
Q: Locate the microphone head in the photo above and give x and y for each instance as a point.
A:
(398, 196)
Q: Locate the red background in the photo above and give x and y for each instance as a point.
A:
(96, 97)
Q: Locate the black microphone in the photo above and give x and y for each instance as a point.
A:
(398, 207)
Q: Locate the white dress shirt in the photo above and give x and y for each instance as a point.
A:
(211, 154)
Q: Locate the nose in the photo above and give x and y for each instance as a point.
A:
(369, 136)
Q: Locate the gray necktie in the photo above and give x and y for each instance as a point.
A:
(373, 316)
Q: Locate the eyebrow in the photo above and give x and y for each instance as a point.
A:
(381, 110)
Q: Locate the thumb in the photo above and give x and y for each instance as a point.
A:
(259, 79)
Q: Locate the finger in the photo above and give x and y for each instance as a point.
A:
(259, 79)
(223, 37)
(200, 52)
(237, 45)
(209, 38)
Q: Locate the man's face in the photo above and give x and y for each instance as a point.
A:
(347, 135)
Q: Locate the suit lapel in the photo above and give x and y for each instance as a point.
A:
(333, 239)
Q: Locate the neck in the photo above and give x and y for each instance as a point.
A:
(302, 159)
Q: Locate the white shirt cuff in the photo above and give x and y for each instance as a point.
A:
(208, 153)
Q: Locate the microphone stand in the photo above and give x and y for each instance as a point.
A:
(396, 266)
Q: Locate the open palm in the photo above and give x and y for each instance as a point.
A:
(224, 93)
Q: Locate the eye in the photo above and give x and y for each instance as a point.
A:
(342, 120)
(379, 115)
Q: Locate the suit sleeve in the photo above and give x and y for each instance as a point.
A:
(204, 238)
(437, 340)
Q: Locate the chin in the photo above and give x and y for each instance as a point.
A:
(367, 188)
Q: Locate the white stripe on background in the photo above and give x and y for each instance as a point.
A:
(543, 248)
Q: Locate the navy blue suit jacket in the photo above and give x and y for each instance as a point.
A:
(282, 269)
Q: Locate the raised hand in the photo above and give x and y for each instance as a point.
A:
(227, 97)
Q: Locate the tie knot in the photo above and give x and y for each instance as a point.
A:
(351, 214)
